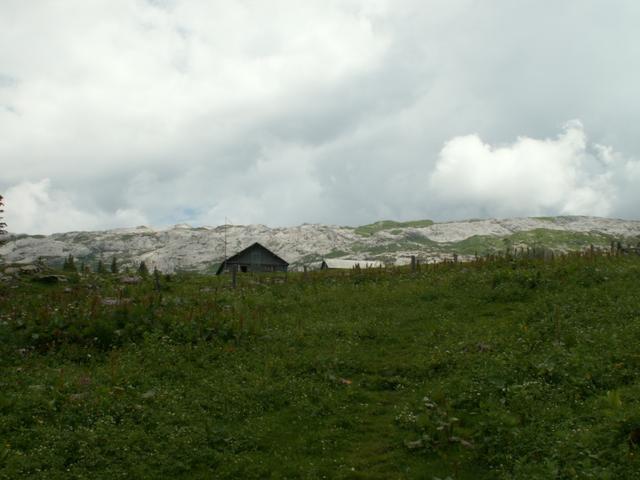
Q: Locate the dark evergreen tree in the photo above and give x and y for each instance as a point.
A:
(40, 263)
(156, 278)
(114, 265)
(2, 224)
(143, 270)
(69, 264)
(100, 268)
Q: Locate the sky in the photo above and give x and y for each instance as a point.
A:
(119, 113)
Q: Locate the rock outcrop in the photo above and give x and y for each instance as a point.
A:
(201, 249)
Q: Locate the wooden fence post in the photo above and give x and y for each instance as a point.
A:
(156, 279)
(234, 275)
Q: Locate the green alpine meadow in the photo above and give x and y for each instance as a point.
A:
(500, 368)
(319, 240)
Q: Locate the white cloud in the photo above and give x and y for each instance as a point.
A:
(527, 177)
(281, 185)
(121, 80)
(282, 112)
(36, 207)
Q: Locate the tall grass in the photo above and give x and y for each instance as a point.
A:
(511, 367)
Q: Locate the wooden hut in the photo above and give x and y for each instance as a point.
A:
(254, 258)
(343, 264)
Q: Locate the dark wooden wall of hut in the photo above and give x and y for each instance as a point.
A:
(256, 259)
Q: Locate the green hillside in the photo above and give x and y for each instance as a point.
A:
(403, 241)
(511, 369)
(370, 229)
(539, 238)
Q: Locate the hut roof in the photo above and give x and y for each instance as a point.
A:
(234, 257)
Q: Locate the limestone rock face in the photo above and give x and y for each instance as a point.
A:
(184, 248)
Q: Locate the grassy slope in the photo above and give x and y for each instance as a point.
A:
(477, 244)
(469, 371)
(370, 229)
(540, 237)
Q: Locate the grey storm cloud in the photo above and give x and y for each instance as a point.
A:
(126, 112)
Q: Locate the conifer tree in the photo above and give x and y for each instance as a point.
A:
(100, 268)
(114, 265)
(2, 224)
(69, 264)
(143, 270)
(156, 278)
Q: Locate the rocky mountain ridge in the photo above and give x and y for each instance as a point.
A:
(186, 248)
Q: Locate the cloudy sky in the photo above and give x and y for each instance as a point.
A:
(119, 113)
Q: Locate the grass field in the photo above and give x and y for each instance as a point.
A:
(370, 229)
(513, 369)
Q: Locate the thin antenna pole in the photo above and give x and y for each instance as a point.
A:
(225, 238)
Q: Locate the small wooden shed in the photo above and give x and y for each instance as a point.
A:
(254, 258)
(339, 263)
